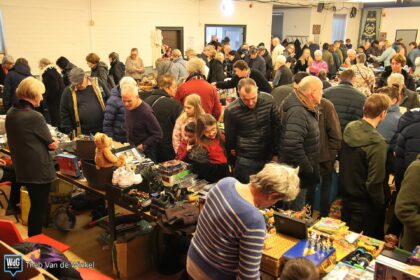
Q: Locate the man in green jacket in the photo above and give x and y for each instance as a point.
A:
(362, 170)
(407, 206)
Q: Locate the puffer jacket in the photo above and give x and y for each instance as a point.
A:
(348, 102)
(408, 142)
(409, 99)
(299, 140)
(251, 133)
(11, 82)
(114, 125)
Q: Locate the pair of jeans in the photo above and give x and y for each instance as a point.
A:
(245, 167)
(38, 194)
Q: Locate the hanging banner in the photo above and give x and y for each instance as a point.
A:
(369, 31)
(369, 26)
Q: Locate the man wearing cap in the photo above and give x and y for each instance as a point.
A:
(83, 104)
(6, 65)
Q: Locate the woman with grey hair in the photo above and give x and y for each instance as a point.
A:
(408, 98)
(6, 64)
(229, 239)
(54, 86)
(365, 78)
(283, 74)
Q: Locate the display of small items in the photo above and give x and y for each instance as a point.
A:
(137, 199)
(360, 258)
(268, 215)
(318, 243)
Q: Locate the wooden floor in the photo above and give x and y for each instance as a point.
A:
(85, 245)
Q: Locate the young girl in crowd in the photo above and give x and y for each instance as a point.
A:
(188, 142)
(192, 111)
(208, 155)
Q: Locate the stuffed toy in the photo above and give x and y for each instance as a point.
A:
(103, 156)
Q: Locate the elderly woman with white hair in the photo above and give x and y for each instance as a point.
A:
(30, 141)
(408, 98)
(318, 64)
(283, 74)
(6, 64)
(229, 239)
(365, 78)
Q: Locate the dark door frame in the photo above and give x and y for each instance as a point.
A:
(221, 25)
(174, 28)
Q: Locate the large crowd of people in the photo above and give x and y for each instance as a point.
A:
(309, 107)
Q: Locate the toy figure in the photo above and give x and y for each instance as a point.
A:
(103, 156)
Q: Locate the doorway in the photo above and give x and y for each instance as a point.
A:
(173, 37)
(339, 27)
(277, 24)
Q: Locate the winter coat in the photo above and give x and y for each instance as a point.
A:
(179, 69)
(28, 138)
(408, 142)
(364, 78)
(408, 79)
(258, 64)
(280, 93)
(2, 75)
(117, 71)
(114, 125)
(348, 102)
(216, 72)
(66, 73)
(407, 207)
(167, 111)
(11, 82)
(262, 83)
(209, 97)
(284, 76)
(268, 65)
(388, 127)
(329, 59)
(318, 66)
(300, 67)
(336, 64)
(100, 71)
(411, 57)
(362, 166)
(54, 87)
(330, 134)
(299, 140)
(251, 133)
(410, 99)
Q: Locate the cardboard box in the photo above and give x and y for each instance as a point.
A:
(134, 257)
(387, 268)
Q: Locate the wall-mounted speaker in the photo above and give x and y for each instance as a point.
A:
(353, 12)
(320, 7)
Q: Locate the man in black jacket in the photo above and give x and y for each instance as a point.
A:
(347, 100)
(242, 70)
(299, 140)
(250, 128)
(256, 62)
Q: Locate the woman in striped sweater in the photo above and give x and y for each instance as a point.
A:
(229, 239)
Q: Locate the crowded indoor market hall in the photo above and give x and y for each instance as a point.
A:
(210, 139)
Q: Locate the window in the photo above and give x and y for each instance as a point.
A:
(2, 44)
(339, 27)
(236, 34)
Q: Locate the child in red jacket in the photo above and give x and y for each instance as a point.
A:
(208, 155)
(187, 142)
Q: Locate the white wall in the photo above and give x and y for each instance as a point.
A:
(325, 19)
(296, 21)
(400, 18)
(51, 28)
